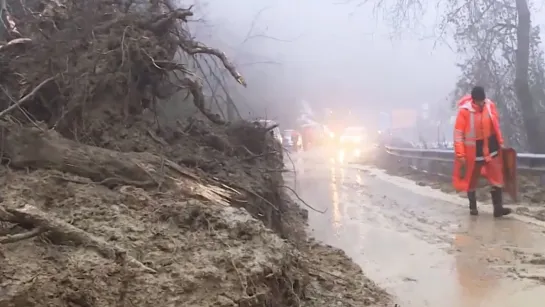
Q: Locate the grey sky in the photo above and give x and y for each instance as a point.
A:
(336, 56)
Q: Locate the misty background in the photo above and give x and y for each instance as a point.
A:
(328, 54)
(338, 54)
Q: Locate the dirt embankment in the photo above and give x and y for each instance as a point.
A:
(102, 206)
(531, 193)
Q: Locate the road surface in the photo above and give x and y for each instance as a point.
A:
(418, 243)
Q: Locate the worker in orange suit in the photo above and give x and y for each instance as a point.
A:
(477, 144)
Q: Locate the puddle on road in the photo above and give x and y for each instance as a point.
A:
(475, 270)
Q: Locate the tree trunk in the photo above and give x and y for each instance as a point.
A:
(522, 87)
(36, 148)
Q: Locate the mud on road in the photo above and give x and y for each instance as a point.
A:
(531, 192)
(420, 243)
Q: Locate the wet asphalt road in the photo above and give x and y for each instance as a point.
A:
(421, 244)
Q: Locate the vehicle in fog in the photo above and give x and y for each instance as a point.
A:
(353, 136)
(292, 140)
(354, 140)
(313, 135)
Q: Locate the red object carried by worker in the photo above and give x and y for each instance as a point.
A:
(510, 172)
(509, 157)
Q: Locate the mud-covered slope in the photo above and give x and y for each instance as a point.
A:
(103, 205)
(189, 242)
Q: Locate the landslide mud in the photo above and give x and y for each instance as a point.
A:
(104, 204)
(204, 248)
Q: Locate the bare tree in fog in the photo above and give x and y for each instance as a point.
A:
(240, 102)
(501, 52)
(222, 93)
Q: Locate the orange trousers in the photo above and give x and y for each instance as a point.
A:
(492, 171)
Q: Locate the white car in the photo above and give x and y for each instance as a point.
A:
(354, 136)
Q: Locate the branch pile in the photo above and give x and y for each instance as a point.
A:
(75, 57)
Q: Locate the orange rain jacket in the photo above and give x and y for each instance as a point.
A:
(476, 132)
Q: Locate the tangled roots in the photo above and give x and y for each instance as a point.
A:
(75, 59)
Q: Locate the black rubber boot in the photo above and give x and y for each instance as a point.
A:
(472, 197)
(497, 202)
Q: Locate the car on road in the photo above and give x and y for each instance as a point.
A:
(354, 140)
(292, 140)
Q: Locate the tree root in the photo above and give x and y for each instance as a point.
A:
(21, 236)
(31, 147)
(28, 214)
(26, 97)
(15, 42)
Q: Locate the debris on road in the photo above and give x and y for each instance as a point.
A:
(103, 206)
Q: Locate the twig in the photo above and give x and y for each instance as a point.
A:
(199, 66)
(250, 192)
(112, 181)
(179, 169)
(156, 138)
(26, 97)
(193, 48)
(160, 23)
(28, 116)
(255, 157)
(229, 100)
(21, 236)
(199, 101)
(14, 42)
(294, 168)
(304, 202)
(329, 273)
(123, 47)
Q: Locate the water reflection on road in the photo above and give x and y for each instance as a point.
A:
(427, 251)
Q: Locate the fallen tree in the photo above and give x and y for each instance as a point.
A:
(32, 147)
(101, 205)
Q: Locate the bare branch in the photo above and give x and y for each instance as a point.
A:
(21, 236)
(26, 97)
(15, 42)
(195, 88)
(194, 48)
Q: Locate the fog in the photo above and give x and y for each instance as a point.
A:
(329, 54)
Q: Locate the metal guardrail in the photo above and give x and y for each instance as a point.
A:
(525, 161)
